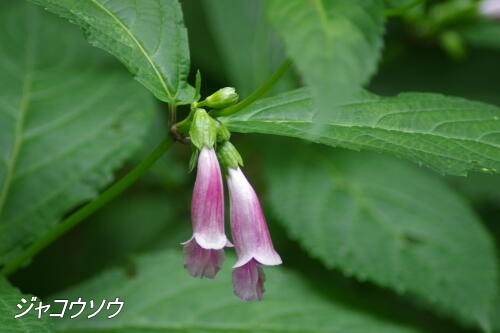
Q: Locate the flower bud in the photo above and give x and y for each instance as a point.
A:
(223, 133)
(222, 98)
(229, 156)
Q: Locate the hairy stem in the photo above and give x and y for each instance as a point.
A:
(74, 219)
(256, 94)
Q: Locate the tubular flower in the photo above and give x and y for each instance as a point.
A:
(490, 8)
(203, 252)
(250, 236)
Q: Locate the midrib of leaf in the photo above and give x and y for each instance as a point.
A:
(296, 126)
(415, 132)
(333, 124)
(139, 45)
(23, 107)
(318, 4)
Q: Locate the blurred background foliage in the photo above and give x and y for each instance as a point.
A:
(232, 44)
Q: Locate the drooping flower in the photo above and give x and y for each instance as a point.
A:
(250, 236)
(490, 8)
(203, 252)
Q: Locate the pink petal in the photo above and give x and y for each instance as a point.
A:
(201, 262)
(248, 281)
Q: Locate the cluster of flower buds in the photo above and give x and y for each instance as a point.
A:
(204, 251)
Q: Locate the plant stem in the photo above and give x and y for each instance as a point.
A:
(401, 10)
(256, 94)
(71, 221)
(172, 112)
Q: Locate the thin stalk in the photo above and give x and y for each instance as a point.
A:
(74, 219)
(172, 111)
(256, 94)
(401, 10)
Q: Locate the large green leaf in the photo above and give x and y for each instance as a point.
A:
(335, 44)
(384, 221)
(161, 297)
(250, 48)
(451, 135)
(10, 297)
(66, 122)
(149, 37)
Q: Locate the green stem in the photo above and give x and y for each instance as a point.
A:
(256, 94)
(401, 10)
(82, 213)
(172, 112)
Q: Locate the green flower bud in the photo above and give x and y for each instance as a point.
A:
(203, 130)
(229, 156)
(222, 98)
(223, 133)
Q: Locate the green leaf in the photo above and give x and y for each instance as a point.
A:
(484, 34)
(161, 297)
(384, 221)
(478, 188)
(148, 37)
(335, 44)
(66, 122)
(495, 317)
(250, 48)
(451, 135)
(29, 323)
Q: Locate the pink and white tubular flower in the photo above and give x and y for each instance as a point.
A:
(250, 236)
(203, 252)
(490, 8)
